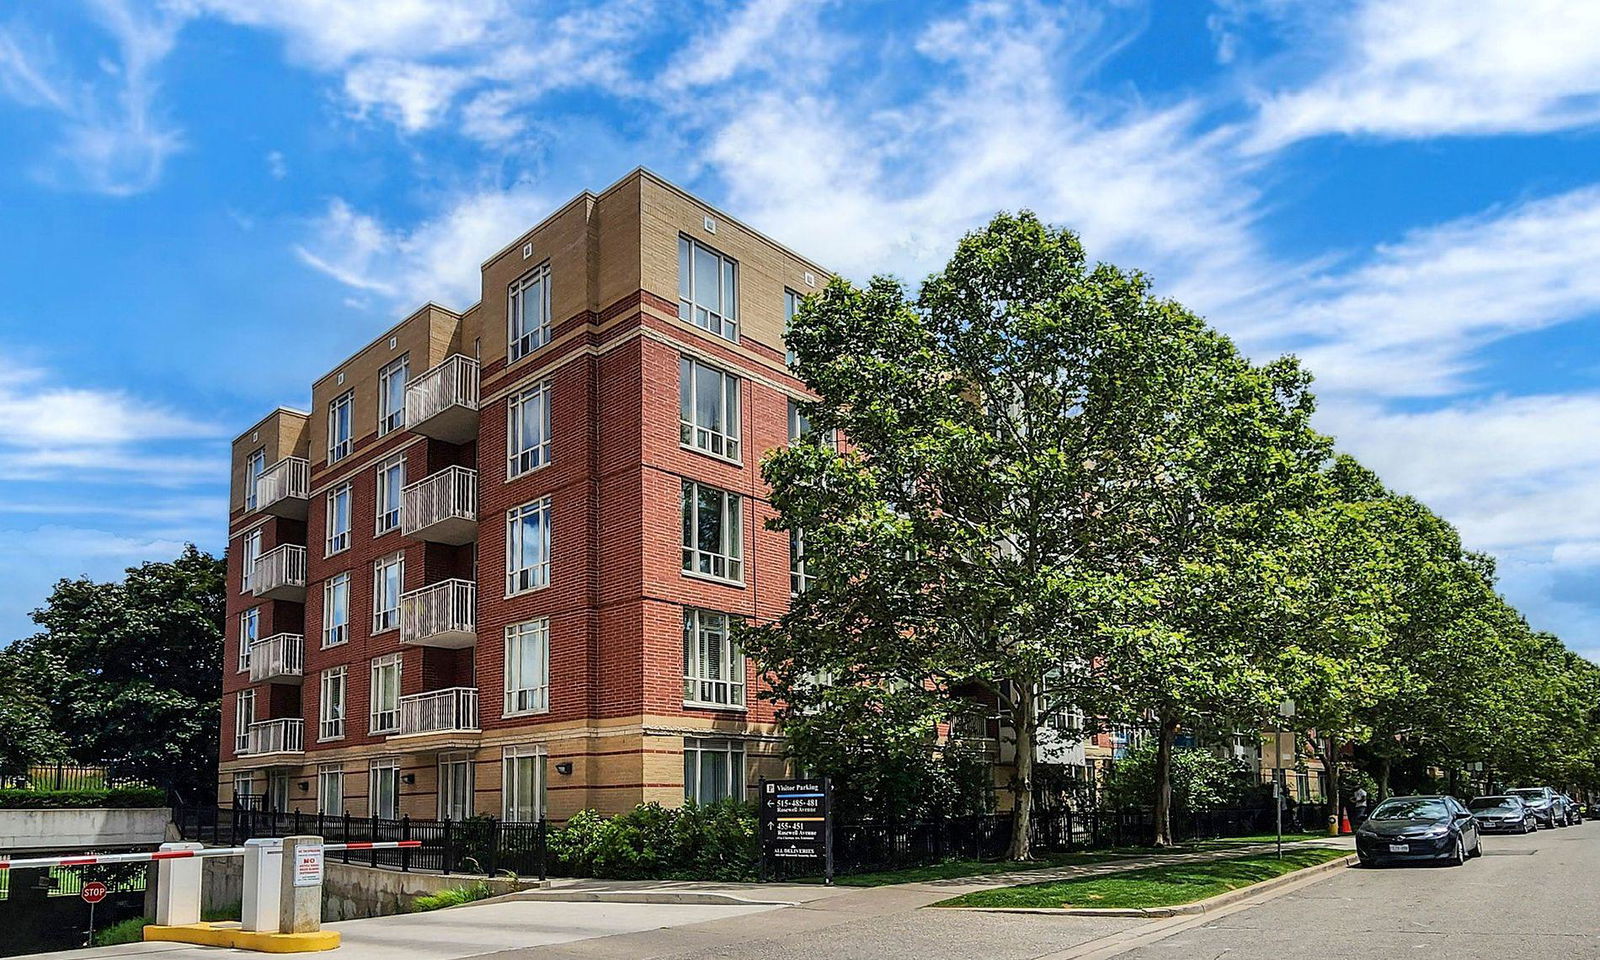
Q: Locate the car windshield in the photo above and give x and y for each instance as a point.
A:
(1529, 794)
(1410, 809)
(1497, 804)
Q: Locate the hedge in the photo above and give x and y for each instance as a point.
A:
(116, 798)
(651, 842)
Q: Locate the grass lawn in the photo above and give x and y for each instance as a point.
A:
(1162, 886)
(1258, 838)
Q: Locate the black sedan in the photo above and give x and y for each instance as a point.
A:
(1418, 829)
(1545, 803)
(1503, 815)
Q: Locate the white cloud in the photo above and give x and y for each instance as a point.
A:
(332, 33)
(752, 34)
(1419, 68)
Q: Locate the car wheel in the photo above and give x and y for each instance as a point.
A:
(1477, 846)
(1460, 855)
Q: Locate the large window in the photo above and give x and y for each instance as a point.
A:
(528, 667)
(336, 610)
(528, 430)
(383, 788)
(455, 786)
(799, 577)
(249, 633)
(388, 573)
(708, 289)
(339, 425)
(251, 553)
(385, 695)
(244, 714)
(522, 786)
(392, 395)
(254, 467)
(330, 789)
(791, 306)
(708, 409)
(244, 783)
(713, 666)
(528, 312)
(713, 533)
(330, 707)
(712, 770)
(338, 519)
(528, 547)
(391, 480)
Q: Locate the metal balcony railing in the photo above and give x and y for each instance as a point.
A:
(451, 710)
(276, 736)
(443, 402)
(442, 508)
(284, 489)
(280, 574)
(443, 614)
(279, 658)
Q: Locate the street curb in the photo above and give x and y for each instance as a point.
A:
(1180, 910)
(687, 897)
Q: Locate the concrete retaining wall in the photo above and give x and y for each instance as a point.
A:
(91, 828)
(349, 891)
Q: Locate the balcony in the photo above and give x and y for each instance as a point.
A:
(443, 402)
(441, 615)
(278, 659)
(275, 736)
(280, 574)
(442, 508)
(451, 710)
(284, 489)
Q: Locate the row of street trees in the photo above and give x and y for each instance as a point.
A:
(1061, 491)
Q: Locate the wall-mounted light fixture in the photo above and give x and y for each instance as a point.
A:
(564, 768)
(305, 785)
(408, 778)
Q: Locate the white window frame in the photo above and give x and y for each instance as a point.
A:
(244, 714)
(385, 618)
(246, 779)
(392, 408)
(338, 537)
(714, 668)
(534, 286)
(330, 785)
(254, 466)
(388, 769)
(381, 719)
(799, 577)
(387, 490)
(525, 579)
(340, 447)
(791, 306)
(249, 633)
(334, 634)
(724, 322)
(523, 456)
(720, 443)
(251, 549)
(521, 800)
(447, 787)
(527, 694)
(723, 562)
(330, 708)
(694, 751)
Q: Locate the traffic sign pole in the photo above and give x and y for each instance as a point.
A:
(92, 893)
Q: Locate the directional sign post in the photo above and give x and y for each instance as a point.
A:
(796, 823)
(92, 893)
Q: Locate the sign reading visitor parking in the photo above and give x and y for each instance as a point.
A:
(308, 866)
(93, 892)
(797, 825)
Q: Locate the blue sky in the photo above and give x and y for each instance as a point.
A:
(207, 202)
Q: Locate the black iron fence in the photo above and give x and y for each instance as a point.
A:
(69, 776)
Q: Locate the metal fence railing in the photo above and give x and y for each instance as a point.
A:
(69, 776)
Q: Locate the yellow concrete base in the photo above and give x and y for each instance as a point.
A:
(228, 934)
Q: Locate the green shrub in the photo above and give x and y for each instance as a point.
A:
(130, 930)
(12, 798)
(451, 897)
(651, 842)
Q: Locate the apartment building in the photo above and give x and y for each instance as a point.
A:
(492, 570)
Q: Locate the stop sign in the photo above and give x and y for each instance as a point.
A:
(93, 892)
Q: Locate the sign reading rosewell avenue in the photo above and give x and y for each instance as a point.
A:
(797, 826)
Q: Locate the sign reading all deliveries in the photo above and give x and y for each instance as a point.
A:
(308, 865)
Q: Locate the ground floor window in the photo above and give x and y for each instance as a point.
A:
(383, 788)
(278, 790)
(522, 789)
(455, 786)
(244, 784)
(330, 790)
(712, 770)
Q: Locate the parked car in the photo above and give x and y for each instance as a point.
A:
(1419, 828)
(1574, 810)
(1545, 803)
(1506, 814)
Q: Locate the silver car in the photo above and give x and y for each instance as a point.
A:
(1505, 814)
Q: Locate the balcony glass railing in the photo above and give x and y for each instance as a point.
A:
(454, 709)
(276, 736)
(442, 508)
(280, 573)
(443, 402)
(284, 488)
(444, 614)
(279, 657)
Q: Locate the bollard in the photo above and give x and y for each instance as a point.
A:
(300, 892)
(178, 887)
(263, 877)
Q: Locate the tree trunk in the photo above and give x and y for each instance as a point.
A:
(1331, 762)
(1024, 725)
(1454, 781)
(1383, 778)
(1163, 812)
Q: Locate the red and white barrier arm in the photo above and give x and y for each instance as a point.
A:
(157, 855)
(373, 845)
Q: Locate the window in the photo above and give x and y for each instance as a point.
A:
(713, 535)
(708, 290)
(713, 667)
(338, 519)
(277, 791)
(331, 705)
(455, 786)
(336, 610)
(339, 426)
(249, 633)
(799, 577)
(528, 313)
(708, 409)
(528, 431)
(528, 547)
(528, 667)
(791, 306)
(800, 425)
(391, 480)
(244, 784)
(392, 395)
(385, 694)
(387, 575)
(712, 770)
(522, 789)
(383, 788)
(244, 714)
(254, 466)
(330, 790)
(252, 553)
